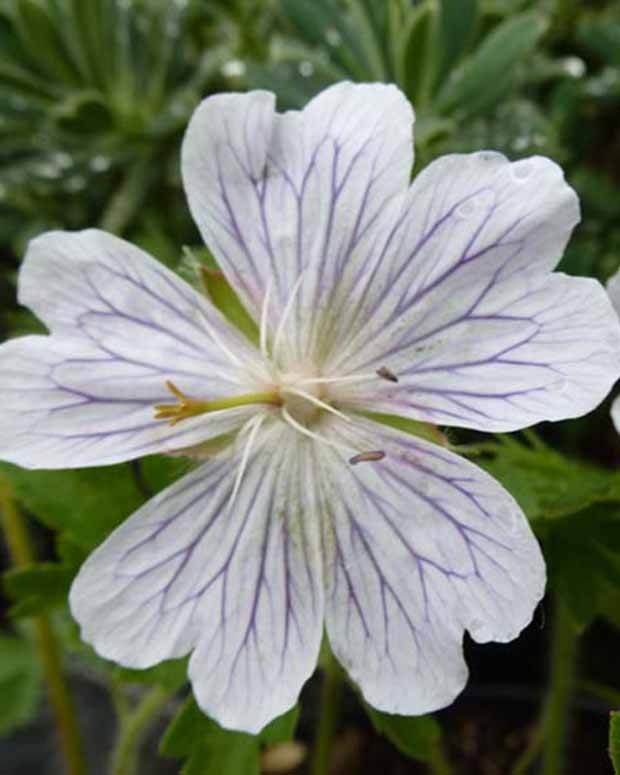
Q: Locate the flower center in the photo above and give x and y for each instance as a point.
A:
(301, 397)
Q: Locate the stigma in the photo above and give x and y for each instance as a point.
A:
(186, 407)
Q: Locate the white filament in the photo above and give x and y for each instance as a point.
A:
(263, 320)
(316, 401)
(283, 319)
(302, 429)
(253, 427)
(336, 380)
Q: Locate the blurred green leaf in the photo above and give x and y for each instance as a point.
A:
(36, 589)
(419, 55)
(583, 558)
(171, 674)
(414, 736)
(457, 25)
(86, 504)
(206, 747)
(547, 485)
(614, 740)
(281, 729)
(20, 683)
(485, 76)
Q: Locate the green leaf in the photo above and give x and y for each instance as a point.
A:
(86, 504)
(414, 736)
(547, 485)
(457, 24)
(281, 729)
(42, 41)
(614, 740)
(583, 560)
(38, 588)
(171, 674)
(484, 78)
(206, 747)
(20, 683)
(419, 56)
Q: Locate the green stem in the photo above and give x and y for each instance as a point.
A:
(331, 696)
(133, 728)
(608, 694)
(531, 753)
(439, 764)
(18, 541)
(557, 710)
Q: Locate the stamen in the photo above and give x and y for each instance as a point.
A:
(191, 407)
(302, 429)
(285, 314)
(385, 373)
(253, 426)
(367, 457)
(336, 380)
(228, 353)
(263, 319)
(316, 401)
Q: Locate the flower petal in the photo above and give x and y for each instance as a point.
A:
(122, 326)
(423, 546)
(304, 194)
(468, 317)
(613, 289)
(240, 582)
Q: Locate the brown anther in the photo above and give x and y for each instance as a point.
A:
(385, 373)
(367, 457)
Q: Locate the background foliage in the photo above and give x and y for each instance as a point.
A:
(94, 97)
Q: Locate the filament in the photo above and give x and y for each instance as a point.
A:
(307, 432)
(285, 314)
(316, 401)
(253, 427)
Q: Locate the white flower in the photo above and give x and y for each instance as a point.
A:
(434, 301)
(613, 289)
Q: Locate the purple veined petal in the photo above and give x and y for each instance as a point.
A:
(238, 583)
(122, 325)
(523, 352)
(464, 311)
(66, 404)
(421, 546)
(297, 195)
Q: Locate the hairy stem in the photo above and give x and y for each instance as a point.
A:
(331, 696)
(18, 541)
(133, 728)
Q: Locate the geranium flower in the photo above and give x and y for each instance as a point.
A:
(433, 301)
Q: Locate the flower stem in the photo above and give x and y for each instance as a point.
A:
(133, 727)
(331, 696)
(18, 541)
(556, 713)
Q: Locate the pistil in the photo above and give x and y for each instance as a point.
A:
(186, 406)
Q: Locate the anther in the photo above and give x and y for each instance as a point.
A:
(385, 373)
(367, 457)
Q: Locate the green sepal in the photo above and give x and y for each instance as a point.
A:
(217, 288)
